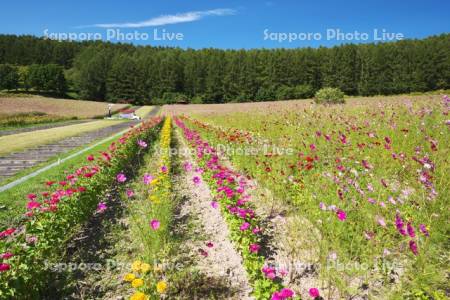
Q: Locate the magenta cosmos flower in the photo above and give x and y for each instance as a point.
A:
(196, 180)
(254, 248)
(164, 169)
(90, 157)
(413, 247)
(33, 204)
(283, 294)
(341, 215)
(6, 255)
(155, 224)
(424, 230)
(214, 204)
(4, 267)
(121, 177)
(148, 178)
(245, 226)
(101, 207)
(314, 292)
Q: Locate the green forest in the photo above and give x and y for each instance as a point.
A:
(156, 75)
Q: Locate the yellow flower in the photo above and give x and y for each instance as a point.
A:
(145, 267)
(154, 198)
(137, 283)
(136, 266)
(139, 296)
(154, 182)
(129, 277)
(161, 287)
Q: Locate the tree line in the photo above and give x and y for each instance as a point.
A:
(155, 75)
(41, 78)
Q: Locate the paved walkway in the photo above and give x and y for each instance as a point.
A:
(13, 163)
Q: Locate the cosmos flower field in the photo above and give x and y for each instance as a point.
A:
(276, 201)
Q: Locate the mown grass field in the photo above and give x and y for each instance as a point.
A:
(56, 107)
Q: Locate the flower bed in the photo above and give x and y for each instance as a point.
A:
(53, 215)
(151, 217)
(229, 188)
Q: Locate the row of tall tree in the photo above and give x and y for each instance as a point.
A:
(117, 72)
(41, 78)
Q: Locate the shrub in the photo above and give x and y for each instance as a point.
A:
(329, 95)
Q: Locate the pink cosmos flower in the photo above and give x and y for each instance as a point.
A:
(381, 221)
(245, 226)
(121, 177)
(341, 215)
(31, 196)
(187, 166)
(148, 178)
(7, 232)
(322, 206)
(424, 230)
(314, 292)
(209, 244)
(256, 230)
(142, 144)
(31, 239)
(6, 255)
(101, 207)
(254, 248)
(90, 157)
(269, 272)
(214, 204)
(33, 204)
(130, 193)
(312, 147)
(371, 200)
(4, 267)
(283, 272)
(196, 180)
(164, 169)
(154, 224)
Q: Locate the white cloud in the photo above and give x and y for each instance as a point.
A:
(169, 19)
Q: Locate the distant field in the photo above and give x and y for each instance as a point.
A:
(55, 107)
(279, 105)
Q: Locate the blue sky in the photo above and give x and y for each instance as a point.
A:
(229, 24)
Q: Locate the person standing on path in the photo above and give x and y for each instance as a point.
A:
(109, 109)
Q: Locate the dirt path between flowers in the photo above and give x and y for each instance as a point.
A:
(217, 260)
